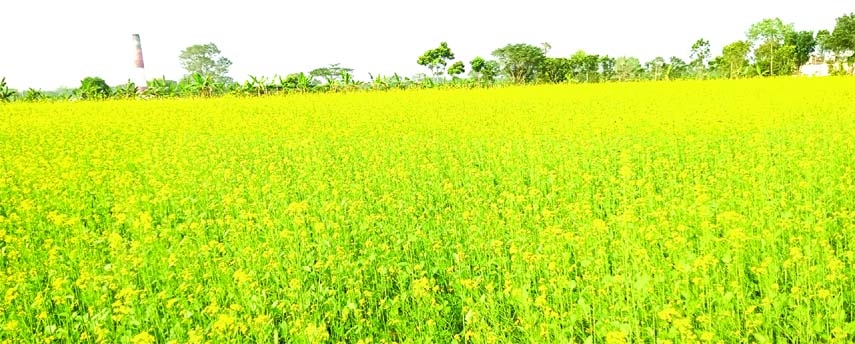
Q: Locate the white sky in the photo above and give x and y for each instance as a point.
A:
(50, 43)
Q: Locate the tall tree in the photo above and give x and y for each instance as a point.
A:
(477, 65)
(555, 70)
(577, 65)
(803, 43)
(717, 67)
(206, 60)
(331, 74)
(823, 42)
(655, 68)
(677, 69)
(591, 65)
(769, 34)
(436, 59)
(484, 70)
(456, 69)
(520, 61)
(735, 56)
(607, 68)
(843, 36)
(700, 55)
(781, 63)
(627, 68)
(491, 70)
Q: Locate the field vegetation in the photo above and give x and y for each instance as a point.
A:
(657, 212)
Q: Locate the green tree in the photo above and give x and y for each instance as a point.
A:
(735, 57)
(332, 74)
(782, 63)
(700, 55)
(477, 65)
(717, 67)
(93, 88)
(491, 71)
(206, 60)
(436, 59)
(456, 69)
(676, 69)
(656, 68)
(555, 70)
(843, 37)
(591, 67)
(484, 71)
(627, 68)
(607, 68)
(577, 64)
(520, 61)
(768, 34)
(823, 42)
(803, 43)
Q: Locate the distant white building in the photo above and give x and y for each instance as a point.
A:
(820, 69)
(819, 65)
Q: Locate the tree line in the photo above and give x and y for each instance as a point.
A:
(771, 47)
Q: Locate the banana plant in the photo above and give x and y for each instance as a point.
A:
(244, 89)
(428, 83)
(330, 84)
(284, 84)
(397, 82)
(323, 87)
(6, 94)
(202, 85)
(346, 77)
(34, 95)
(304, 83)
(128, 90)
(238, 89)
(379, 82)
(347, 81)
(222, 87)
(258, 85)
(161, 88)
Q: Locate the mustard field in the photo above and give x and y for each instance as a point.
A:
(666, 212)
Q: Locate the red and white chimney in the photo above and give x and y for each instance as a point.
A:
(139, 65)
